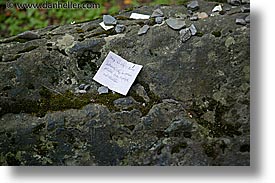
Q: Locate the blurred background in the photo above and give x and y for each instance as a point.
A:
(14, 21)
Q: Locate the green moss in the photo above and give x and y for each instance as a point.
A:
(219, 128)
(200, 34)
(217, 33)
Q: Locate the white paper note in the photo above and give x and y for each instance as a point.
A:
(106, 27)
(139, 16)
(117, 73)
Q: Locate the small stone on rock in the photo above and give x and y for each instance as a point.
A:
(234, 2)
(194, 18)
(28, 35)
(202, 15)
(240, 21)
(217, 8)
(175, 23)
(109, 20)
(185, 34)
(189, 12)
(157, 13)
(103, 89)
(120, 28)
(143, 29)
(193, 5)
(193, 30)
(81, 87)
(87, 87)
(159, 20)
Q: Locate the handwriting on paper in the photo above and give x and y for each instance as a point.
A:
(117, 73)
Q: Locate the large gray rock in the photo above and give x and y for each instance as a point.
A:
(188, 106)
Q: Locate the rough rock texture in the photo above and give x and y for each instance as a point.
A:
(188, 106)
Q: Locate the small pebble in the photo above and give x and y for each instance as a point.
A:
(157, 13)
(185, 34)
(202, 15)
(120, 28)
(217, 8)
(143, 30)
(103, 89)
(81, 87)
(159, 20)
(240, 21)
(193, 30)
(190, 12)
(175, 23)
(28, 35)
(87, 87)
(82, 91)
(193, 5)
(194, 18)
(109, 20)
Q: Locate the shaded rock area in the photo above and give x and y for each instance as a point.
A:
(188, 106)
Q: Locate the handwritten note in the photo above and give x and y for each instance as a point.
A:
(117, 73)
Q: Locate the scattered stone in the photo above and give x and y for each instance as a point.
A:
(137, 16)
(202, 15)
(217, 8)
(159, 20)
(245, 8)
(194, 18)
(185, 34)
(229, 41)
(81, 91)
(240, 21)
(189, 12)
(143, 30)
(140, 91)
(30, 35)
(193, 30)
(157, 13)
(193, 5)
(87, 87)
(247, 19)
(103, 89)
(120, 28)
(106, 27)
(179, 125)
(234, 2)
(81, 87)
(175, 23)
(109, 20)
